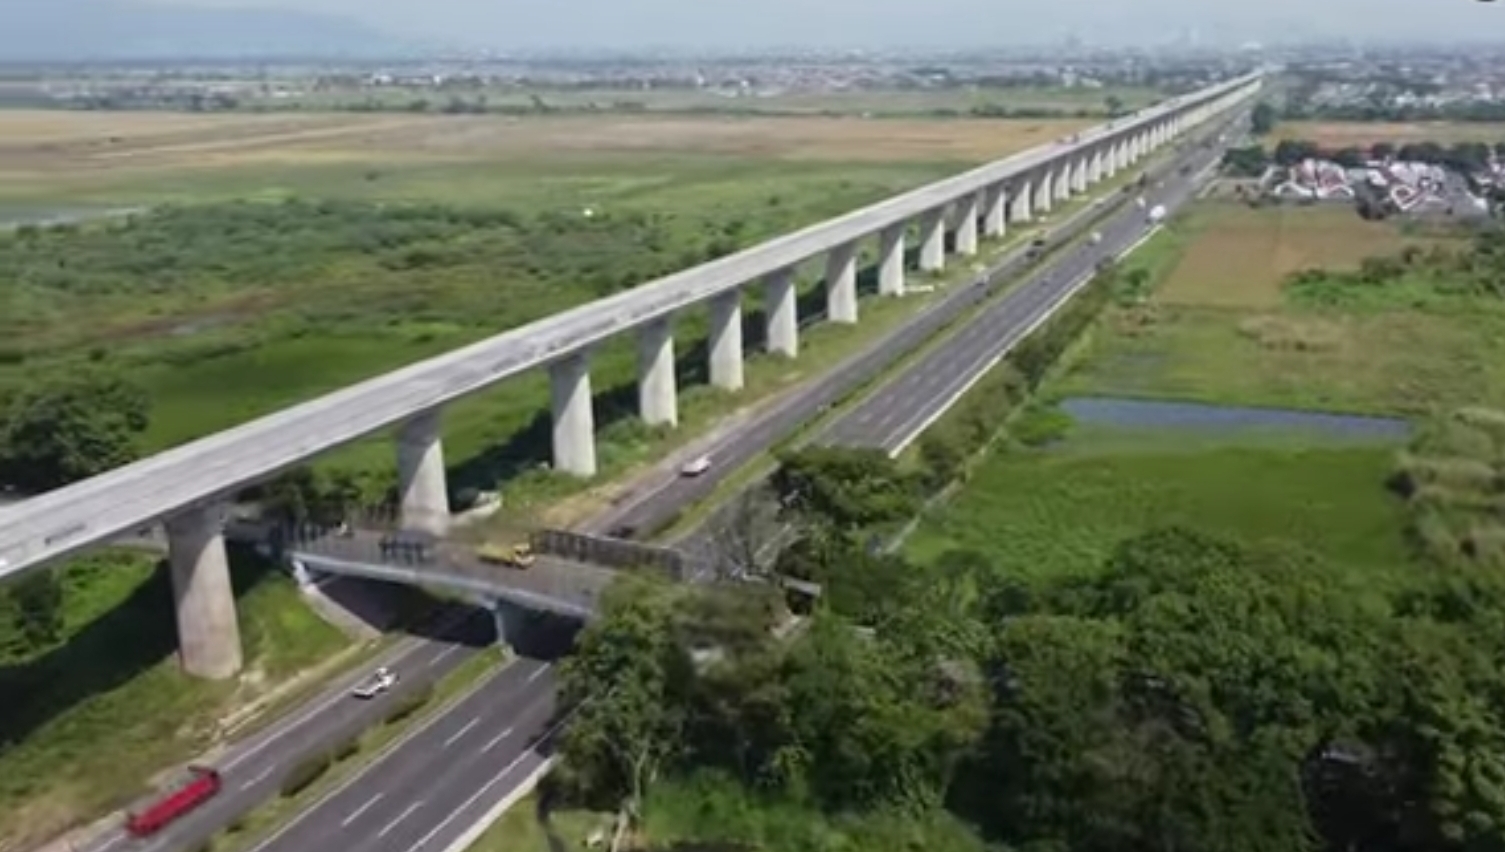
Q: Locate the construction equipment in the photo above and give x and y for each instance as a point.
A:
(513, 556)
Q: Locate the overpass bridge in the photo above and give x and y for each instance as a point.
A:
(189, 488)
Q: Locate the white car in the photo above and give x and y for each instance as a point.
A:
(380, 681)
(696, 467)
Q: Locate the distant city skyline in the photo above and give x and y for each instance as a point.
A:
(625, 24)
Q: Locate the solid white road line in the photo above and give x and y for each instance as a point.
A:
(439, 657)
(400, 817)
(475, 720)
(539, 673)
(356, 814)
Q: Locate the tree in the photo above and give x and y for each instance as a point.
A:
(1262, 118)
(1114, 105)
(845, 488)
(627, 680)
(69, 429)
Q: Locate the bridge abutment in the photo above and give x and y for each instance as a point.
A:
(658, 396)
(781, 312)
(422, 484)
(891, 260)
(841, 284)
(208, 627)
(726, 340)
(574, 421)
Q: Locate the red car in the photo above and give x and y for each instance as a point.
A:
(201, 786)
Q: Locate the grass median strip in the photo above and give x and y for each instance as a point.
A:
(319, 774)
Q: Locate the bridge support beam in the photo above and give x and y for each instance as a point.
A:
(726, 341)
(933, 240)
(1019, 208)
(423, 491)
(966, 226)
(782, 313)
(208, 628)
(1044, 194)
(841, 284)
(658, 396)
(891, 260)
(994, 221)
(574, 421)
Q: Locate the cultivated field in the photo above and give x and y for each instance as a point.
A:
(55, 158)
(1221, 328)
(1342, 134)
(1239, 257)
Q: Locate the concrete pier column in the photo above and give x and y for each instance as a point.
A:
(574, 421)
(658, 398)
(1079, 176)
(1110, 161)
(1062, 182)
(995, 219)
(423, 491)
(891, 260)
(726, 340)
(208, 628)
(1045, 194)
(841, 284)
(966, 226)
(782, 313)
(1120, 155)
(933, 240)
(1019, 206)
(1095, 166)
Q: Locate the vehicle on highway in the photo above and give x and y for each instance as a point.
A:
(513, 556)
(200, 786)
(696, 467)
(622, 531)
(1156, 214)
(1096, 238)
(380, 681)
(408, 545)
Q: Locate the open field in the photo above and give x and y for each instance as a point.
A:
(1219, 329)
(877, 102)
(1059, 512)
(1342, 134)
(1239, 257)
(56, 158)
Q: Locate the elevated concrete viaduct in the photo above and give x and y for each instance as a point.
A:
(184, 486)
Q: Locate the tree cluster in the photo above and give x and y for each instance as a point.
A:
(1191, 693)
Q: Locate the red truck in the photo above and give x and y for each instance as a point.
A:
(201, 785)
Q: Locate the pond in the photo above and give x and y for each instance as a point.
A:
(1162, 415)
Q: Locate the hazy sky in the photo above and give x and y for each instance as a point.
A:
(730, 23)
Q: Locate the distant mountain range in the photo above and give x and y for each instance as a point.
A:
(82, 30)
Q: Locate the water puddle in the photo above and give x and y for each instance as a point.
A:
(1227, 420)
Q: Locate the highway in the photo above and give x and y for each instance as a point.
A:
(64, 521)
(253, 768)
(426, 790)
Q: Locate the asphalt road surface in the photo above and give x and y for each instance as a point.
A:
(427, 789)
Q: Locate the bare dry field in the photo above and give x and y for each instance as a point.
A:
(37, 147)
(1241, 256)
(1340, 134)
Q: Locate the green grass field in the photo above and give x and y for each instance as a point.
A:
(1220, 326)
